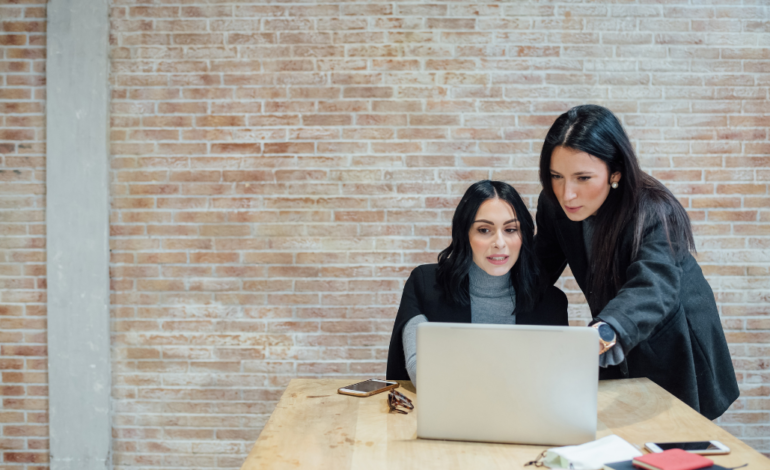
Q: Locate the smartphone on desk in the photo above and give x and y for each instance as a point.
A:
(368, 388)
(696, 447)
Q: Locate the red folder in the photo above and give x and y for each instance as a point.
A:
(672, 459)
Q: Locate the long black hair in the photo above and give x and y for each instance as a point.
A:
(640, 199)
(454, 262)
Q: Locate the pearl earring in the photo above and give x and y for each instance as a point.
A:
(614, 185)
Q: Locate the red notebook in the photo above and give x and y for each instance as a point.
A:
(672, 459)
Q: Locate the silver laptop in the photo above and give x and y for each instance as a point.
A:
(507, 383)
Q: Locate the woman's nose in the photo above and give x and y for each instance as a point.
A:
(569, 192)
(500, 240)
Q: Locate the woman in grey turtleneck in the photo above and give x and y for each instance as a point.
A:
(492, 301)
(488, 274)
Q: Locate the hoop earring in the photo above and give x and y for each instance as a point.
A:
(614, 185)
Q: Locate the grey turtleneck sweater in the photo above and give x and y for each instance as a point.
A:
(492, 301)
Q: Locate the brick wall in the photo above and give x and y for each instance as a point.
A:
(23, 358)
(278, 169)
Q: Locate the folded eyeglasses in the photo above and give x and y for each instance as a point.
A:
(396, 399)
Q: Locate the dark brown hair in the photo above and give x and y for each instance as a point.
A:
(640, 199)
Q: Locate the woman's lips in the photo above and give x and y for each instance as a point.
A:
(572, 210)
(498, 259)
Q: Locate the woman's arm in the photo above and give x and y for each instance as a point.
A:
(547, 248)
(409, 308)
(410, 346)
(650, 293)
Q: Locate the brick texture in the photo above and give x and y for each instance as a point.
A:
(279, 168)
(23, 356)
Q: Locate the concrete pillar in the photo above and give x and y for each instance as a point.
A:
(77, 221)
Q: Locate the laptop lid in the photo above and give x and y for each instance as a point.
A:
(507, 383)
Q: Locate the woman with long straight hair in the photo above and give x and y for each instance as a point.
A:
(628, 243)
(488, 274)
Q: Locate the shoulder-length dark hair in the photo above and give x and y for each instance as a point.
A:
(455, 261)
(640, 199)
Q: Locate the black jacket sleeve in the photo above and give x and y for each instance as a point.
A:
(650, 292)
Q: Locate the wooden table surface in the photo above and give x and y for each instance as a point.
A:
(314, 427)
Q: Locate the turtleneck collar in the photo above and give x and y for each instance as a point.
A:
(483, 284)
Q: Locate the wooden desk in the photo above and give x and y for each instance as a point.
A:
(314, 427)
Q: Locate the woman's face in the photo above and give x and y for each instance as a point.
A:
(494, 237)
(581, 182)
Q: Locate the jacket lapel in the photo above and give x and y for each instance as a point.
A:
(571, 234)
(461, 313)
(448, 312)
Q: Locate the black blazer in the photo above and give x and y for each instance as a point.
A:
(422, 296)
(673, 334)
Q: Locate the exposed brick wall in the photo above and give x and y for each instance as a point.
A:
(278, 170)
(23, 357)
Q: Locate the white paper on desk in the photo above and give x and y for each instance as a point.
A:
(592, 455)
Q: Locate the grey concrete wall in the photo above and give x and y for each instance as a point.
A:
(77, 219)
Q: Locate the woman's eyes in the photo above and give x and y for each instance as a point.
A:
(508, 230)
(580, 178)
